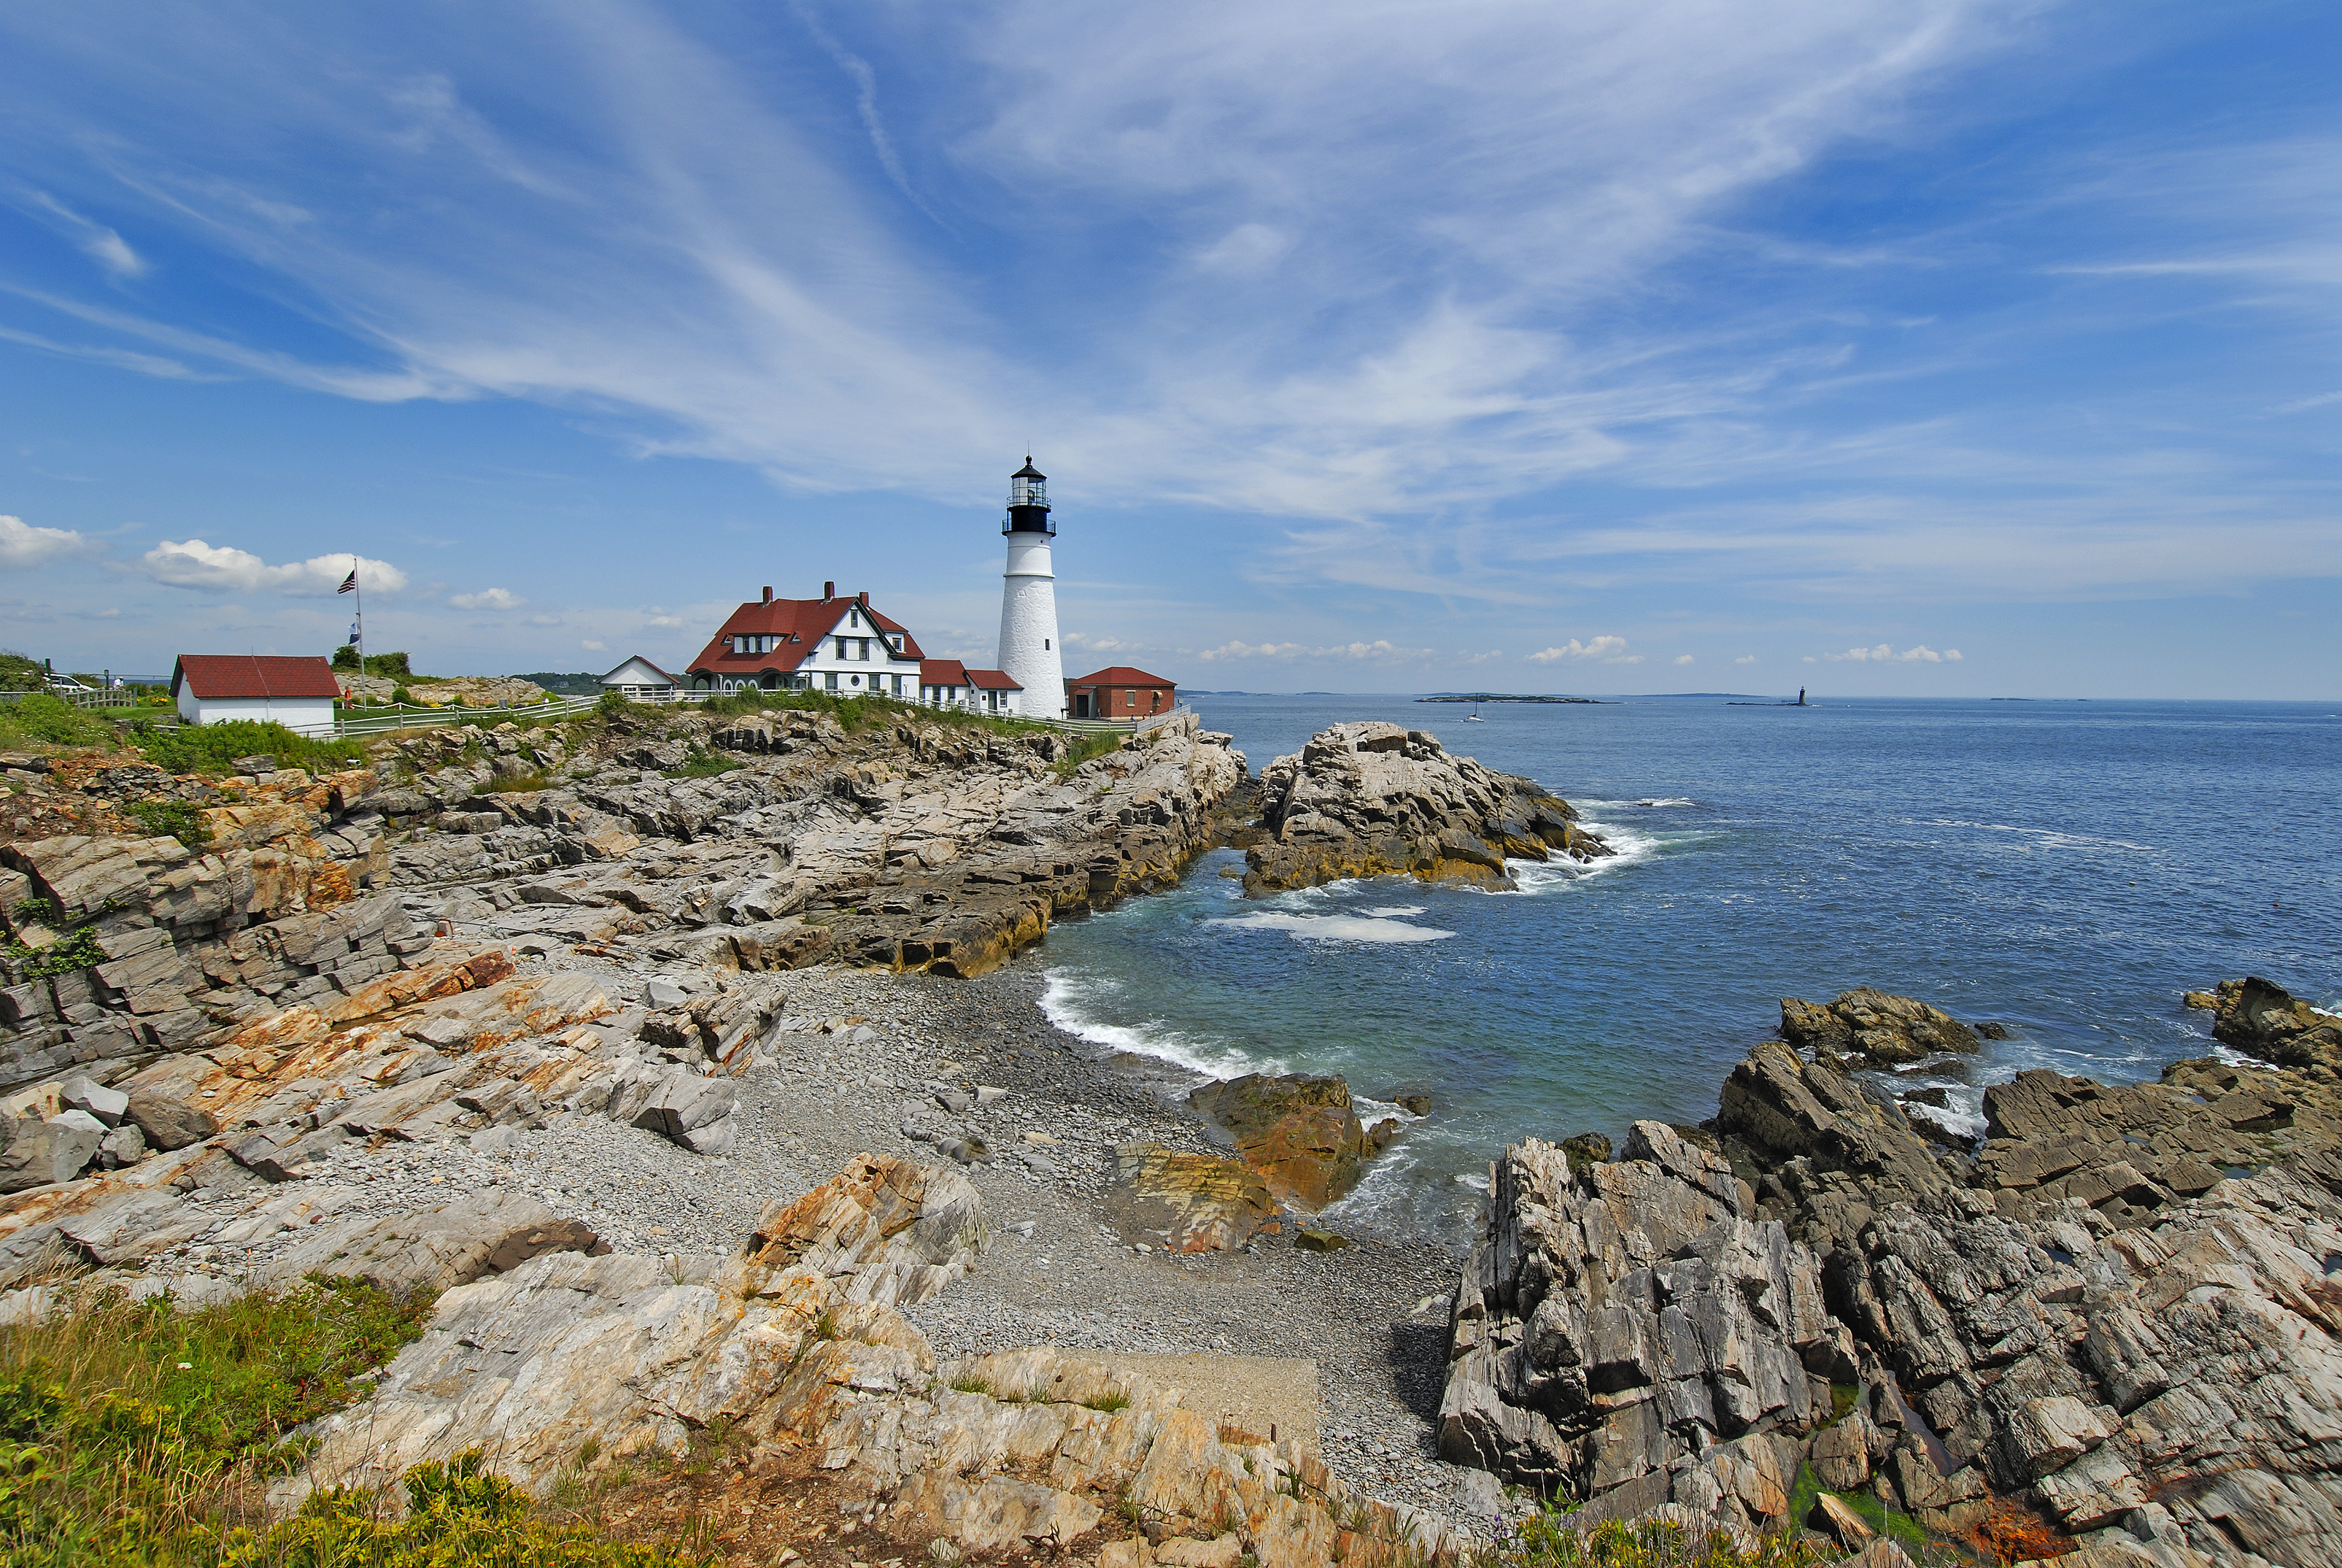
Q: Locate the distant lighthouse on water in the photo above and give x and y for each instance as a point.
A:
(1029, 653)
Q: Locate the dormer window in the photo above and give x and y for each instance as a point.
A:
(895, 641)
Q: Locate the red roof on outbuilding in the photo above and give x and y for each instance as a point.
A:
(1124, 675)
(953, 673)
(231, 676)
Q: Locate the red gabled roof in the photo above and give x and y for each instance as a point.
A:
(953, 673)
(1123, 675)
(226, 676)
(808, 621)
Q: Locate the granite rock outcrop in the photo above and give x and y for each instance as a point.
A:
(1372, 799)
(2118, 1312)
(1301, 1133)
(1874, 1028)
(2263, 1019)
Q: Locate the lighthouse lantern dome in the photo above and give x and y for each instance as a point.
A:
(1028, 501)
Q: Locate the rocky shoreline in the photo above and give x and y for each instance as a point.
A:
(573, 1042)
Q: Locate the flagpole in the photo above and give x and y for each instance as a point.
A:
(361, 594)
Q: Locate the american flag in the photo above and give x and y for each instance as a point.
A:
(350, 583)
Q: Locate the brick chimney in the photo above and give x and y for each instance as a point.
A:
(768, 592)
(829, 590)
(864, 597)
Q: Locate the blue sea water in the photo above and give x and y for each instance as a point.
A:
(2066, 868)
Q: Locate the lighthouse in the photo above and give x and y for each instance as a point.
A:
(1029, 650)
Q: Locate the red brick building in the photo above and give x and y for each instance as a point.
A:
(1119, 692)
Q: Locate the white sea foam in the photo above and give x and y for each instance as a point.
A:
(1397, 909)
(1958, 1123)
(1065, 1003)
(1671, 800)
(2045, 837)
(1334, 927)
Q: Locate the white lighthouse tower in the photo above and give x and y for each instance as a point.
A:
(1029, 653)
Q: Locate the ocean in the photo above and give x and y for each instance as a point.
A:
(2067, 869)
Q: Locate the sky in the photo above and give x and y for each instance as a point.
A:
(1942, 348)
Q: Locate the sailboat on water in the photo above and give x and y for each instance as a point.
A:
(1474, 717)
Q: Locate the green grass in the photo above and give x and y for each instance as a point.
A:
(211, 749)
(133, 1433)
(1547, 1541)
(1085, 748)
(1110, 1403)
(515, 783)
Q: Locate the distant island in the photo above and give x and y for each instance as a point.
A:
(1497, 697)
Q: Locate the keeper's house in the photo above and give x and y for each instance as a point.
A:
(841, 646)
(1120, 692)
(948, 684)
(299, 693)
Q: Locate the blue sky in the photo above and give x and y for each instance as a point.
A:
(1949, 347)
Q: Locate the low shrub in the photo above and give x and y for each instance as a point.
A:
(400, 697)
(211, 749)
(457, 1513)
(179, 819)
(48, 719)
(703, 765)
(20, 671)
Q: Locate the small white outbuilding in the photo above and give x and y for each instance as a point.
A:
(641, 682)
(299, 693)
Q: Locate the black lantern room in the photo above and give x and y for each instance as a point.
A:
(1028, 501)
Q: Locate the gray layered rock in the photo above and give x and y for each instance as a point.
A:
(1374, 798)
(167, 1122)
(440, 1249)
(37, 1153)
(1618, 1321)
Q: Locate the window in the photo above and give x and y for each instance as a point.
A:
(853, 617)
(1045, 644)
(894, 642)
(841, 647)
(829, 680)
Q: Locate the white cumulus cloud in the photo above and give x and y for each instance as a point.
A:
(488, 599)
(1603, 650)
(1683, 658)
(1379, 652)
(1746, 659)
(591, 646)
(1918, 654)
(193, 564)
(23, 546)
